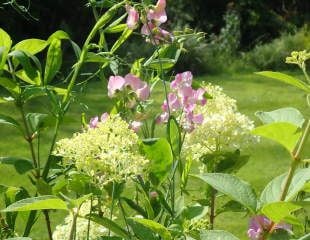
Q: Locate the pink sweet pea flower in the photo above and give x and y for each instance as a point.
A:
(133, 17)
(162, 118)
(181, 80)
(115, 83)
(135, 126)
(104, 117)
(198, 119)
(158, 34)
(158, 14)
(259, 225)
(199, 96)
(93, 123)
(139, 87)
(143, 93)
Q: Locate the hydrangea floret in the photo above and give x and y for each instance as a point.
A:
(109, 152)
(223, 128)
(82, 225)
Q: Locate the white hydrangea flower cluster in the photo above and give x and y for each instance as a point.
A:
(95, 230)
(109, 152)
(223, 128)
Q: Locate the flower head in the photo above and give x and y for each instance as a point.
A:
(260, 225)
(109, 152)
(116, 83)
(182, 100)
(221, 126)
(133, 17)
(158, 14)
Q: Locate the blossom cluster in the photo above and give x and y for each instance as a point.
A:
(260, 225)
(182, 101)
(108, 152)
(151, 27)
(223, 127)
(82, 225)
(298, 58)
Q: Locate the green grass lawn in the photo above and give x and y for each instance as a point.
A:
(252, 92)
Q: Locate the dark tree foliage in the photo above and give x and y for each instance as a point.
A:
(261, 20)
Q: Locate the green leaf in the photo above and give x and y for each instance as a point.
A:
(274, 188)
(21, 165)
(286, 79)
(174, 135)
(9, 121)
(289, 114)
(195, 212)
(280, 234)
(5, 46)
(10, 85)
(217, 235)
(24, 60)
(32, 46)
(53, 60)
(125, 35)
(161, 158)
(21, 74)
(109, 224)
(43, 187)
(96, 58)
(38, 121)
(155, 227)
(141, 231)
(37, 203)
(59, 35)
(285, 134)
(163, 63)
(277, 211)
(233, 187)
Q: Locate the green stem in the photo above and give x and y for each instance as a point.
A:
(124, 216)
(48, 224)
(73, 227)
(212, 208)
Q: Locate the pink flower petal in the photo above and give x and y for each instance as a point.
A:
(135, 126)
(158, 13)
(198, 119)
(162, 118)
(115, 83)
(143, 93)
(104, 117)
(93, 123)
(133, 17)
(133, 81)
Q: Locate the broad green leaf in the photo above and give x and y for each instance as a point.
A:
(273, 190)
(161, 158)
(174, 135)
(280, 234)
(21, 74)
(289, 114)
(125, 35)
(32, 46)
(230, 206)
(25, 61)
(10, 121)
(38, 121)
(60, 35)
(10, 85)
(43, 187)
(155, 227)
(233, 187)
(286, 79)
(277, 211)
(161, 64)
(195, 212)
(141, 231)
(116, 29)
(53, 60)
(5, 46)
(21, 165)
(37, 203)
(109, 224)
(217, 235)
(285, 134)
